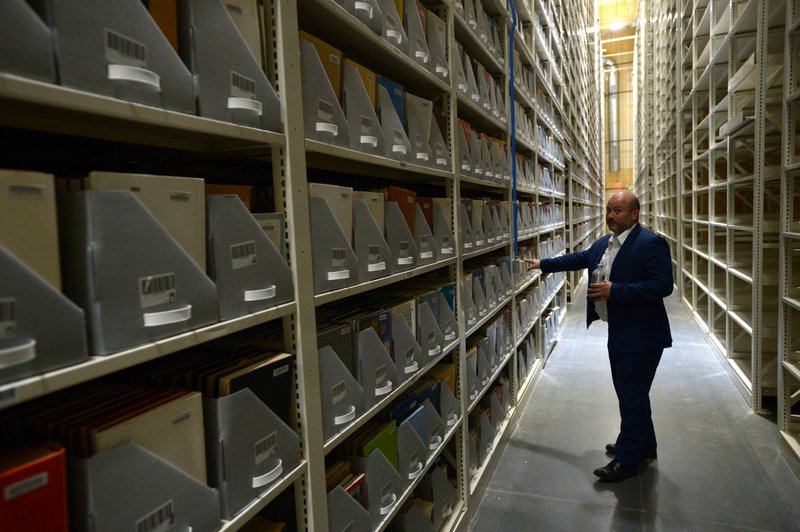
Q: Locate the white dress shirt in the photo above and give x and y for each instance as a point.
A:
(604, 266)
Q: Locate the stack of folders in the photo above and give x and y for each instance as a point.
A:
(339, 474)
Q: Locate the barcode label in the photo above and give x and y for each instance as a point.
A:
(121, 50)
(338, 393)
(374, 253)
(25, 486)
(398, 137)
(26, 191)
(418, 141)
(243, 254)
(380, 375)
(333, 58)
(404, 248)
(182, 197)
(409, 356)
(8, 318)
(157, 290)
(325, 110)
(281, 370)
(423, 240)
(338, 258)
(367, 127)
(159, 520)
(242, 86)
(266, 448)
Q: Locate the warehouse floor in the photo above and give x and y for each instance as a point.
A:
(720, 466)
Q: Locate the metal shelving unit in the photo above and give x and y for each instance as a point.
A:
(562, 59)
(712, 173)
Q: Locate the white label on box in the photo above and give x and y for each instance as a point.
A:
(418, 141)
(404, 248)
(266, 448)
(324, 110)
(242, 86)
(338, 393)
(398, 137)
(180, 197)
(243, 254)
(367, 127)
(338, 258)
(374, 253)
(26, 191)
(27, 485)
(159, 520)
(8, 318)
(423, 241)
(122, 50)
(281, 370)
(333, 58)
(157, 290)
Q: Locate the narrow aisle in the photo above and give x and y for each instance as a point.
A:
(719, 465)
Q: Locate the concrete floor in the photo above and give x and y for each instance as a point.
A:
(720, 466)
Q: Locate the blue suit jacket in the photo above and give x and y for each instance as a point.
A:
(641, 278)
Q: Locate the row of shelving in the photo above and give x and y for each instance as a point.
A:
(348, 261)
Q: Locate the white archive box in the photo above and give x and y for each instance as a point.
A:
(28, 222)
(178, 203)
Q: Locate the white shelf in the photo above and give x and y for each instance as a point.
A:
(97, 366)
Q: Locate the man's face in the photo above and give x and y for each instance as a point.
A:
(620, 216)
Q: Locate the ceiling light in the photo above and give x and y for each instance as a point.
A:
(616, 26)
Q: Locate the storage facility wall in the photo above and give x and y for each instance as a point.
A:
(85, 131)
(726, 197)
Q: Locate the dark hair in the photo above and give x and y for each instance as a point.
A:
(635, 203)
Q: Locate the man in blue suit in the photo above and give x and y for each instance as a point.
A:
(631, 274)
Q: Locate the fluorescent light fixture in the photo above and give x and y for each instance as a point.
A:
(616, 26)
(591, 29)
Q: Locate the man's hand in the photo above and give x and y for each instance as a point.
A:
(535, 264)
(599, 291)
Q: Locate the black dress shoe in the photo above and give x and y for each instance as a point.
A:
(648, 455)
(615, 472)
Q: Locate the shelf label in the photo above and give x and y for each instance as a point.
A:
(242, 86)
(27, 485)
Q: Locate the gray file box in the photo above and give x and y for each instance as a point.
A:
(481, 28)
(249, 448)
(468, 307)
(490, 346)
(486, 159)
(435, 487)
(505, 279)
(485, 438)
(472, 84)
(498, 411)
(434, 428)
(419, 116)
(364, 129)
(417, 43)
(449, 407)
(466, 235)
(489, 230)
(522, 369)
(530, 351)
(383, 484)
(502, 289)
(436, 30)
(442, 233)
(396, 143)
(377, 373)
(478, 168)
(431, 340)
(427, 246)
(249, 272)
(342, 396)
(479, 297)
(335, 263)
(462, 86)
(323, 117)
(345, 514)
(489, 289)
(367, 11)
(506, 399)
(463, 157)
(484, 368)
(483, 90)
(496, 44)
(517, 324)
(411, 454)
(40, 329)
(487, 360)
(114, 48)
(406, 352)
(372, 251)
(440, 154)
(133, 280)
(393, 30)
(401, 241)
(411, 518)
(447, 320)
(27, 43)
(231, 84)
(129, 488)
(469, 11)
(500, 221)
(473, 383)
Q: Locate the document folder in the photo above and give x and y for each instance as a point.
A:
(323, 117)
(364, 129)
(345, 514)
